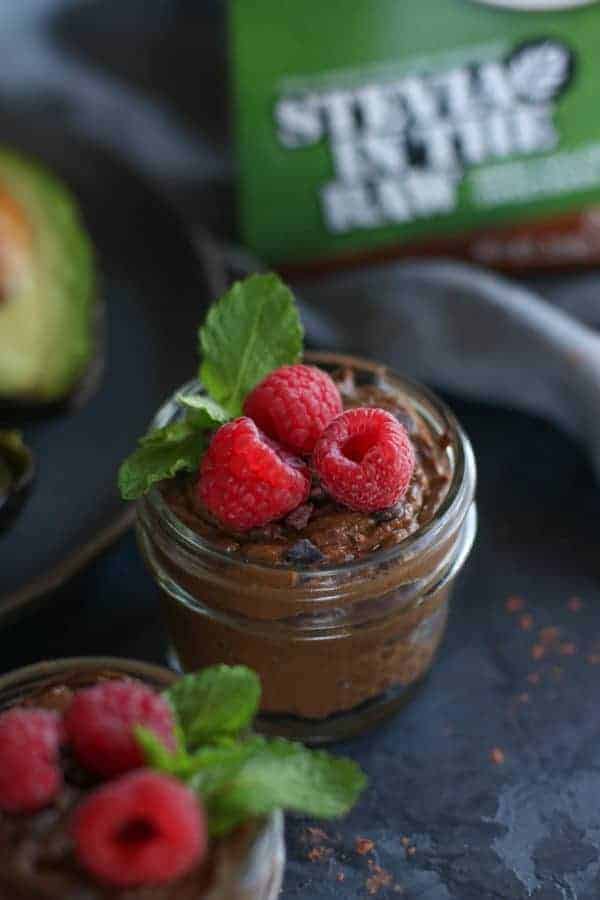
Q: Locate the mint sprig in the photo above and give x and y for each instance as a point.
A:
(252, 330)
(161, 454)
(218, 702)
(240, 775)
(279, 774)
(203, 411)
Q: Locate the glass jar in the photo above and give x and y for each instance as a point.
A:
(247, 865)
(339, 648)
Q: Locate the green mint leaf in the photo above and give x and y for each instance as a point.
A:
(216, 702)
(280, 775)
(207, 769)
(177, 447)
(162, 453)
(203, 411)
(212, 767)
(157, 756)
(253, 329)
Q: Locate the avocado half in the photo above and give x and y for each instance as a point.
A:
(47, 286)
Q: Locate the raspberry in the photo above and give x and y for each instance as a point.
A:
(30, 776)
(246, 480)
(142, 828)
(294, 405)
(365, 459)
(101, 719)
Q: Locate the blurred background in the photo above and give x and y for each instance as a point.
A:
(198, 154)
(146, 80)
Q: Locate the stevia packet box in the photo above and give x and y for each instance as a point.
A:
(375, 128)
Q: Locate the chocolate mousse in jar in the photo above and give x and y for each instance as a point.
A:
(341, 612)
(37, 846)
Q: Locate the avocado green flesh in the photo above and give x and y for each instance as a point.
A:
(46, 313)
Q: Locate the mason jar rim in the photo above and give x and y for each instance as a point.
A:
(37, 672)
(457, 500)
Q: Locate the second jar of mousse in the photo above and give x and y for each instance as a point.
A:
(340, 612)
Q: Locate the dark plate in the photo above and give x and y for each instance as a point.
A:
(154, 295)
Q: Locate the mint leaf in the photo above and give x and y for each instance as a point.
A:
(281, 775)
(241, 779)
(250, 331)
(216, 702)
(177, 447)
(207, 769)
(210, 768)
(162, 453)
(160, 757)
(203, 411)
(253, 329)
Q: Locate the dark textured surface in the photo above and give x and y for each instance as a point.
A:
(525, 827)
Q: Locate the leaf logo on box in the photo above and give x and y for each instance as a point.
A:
(400, 148)
(540, 71)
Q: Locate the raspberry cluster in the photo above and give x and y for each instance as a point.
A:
(255, 470)
(141, 827)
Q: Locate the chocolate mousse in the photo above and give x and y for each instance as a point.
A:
(306, 519)
(38, 861)
(339, 620)
(322, 532)
(37, 852)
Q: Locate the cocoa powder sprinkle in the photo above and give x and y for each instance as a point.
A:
(514, 604)
(526, 622)
(549, 635)
(363, 845)
(315, 835)
(497, 756)
(378, 879)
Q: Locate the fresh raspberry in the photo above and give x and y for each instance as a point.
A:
(246, 480)
(100, 724)
(294, 405)
(30, 776)
(365, 459)
(142, 828)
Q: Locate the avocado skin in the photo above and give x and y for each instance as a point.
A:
(54, 352)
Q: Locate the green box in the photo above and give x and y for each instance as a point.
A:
(386, 126)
